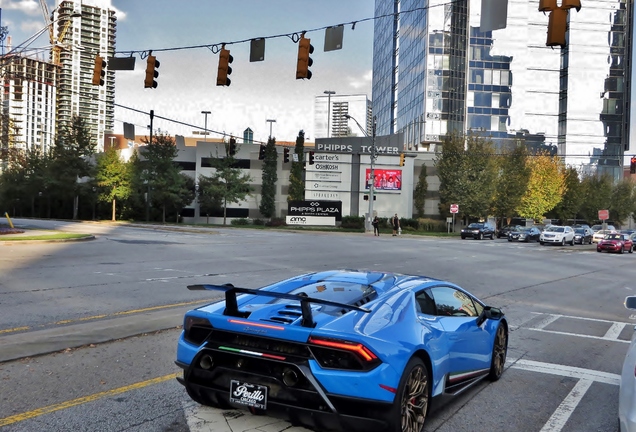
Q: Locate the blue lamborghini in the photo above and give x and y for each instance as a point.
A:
(341, 349)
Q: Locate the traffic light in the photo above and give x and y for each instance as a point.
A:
(311, 158)
(98, 71)
(557, 26)
(304, 61)
(286, 155)
(401, 159)
(261, 152)
(152, 64)
(224, 68)
(232, 147)
(632, 165)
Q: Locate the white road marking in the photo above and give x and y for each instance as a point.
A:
(582, 318)
(564, 411)
(546, 321)
(615, 330)
(613, 339)
(565, 371)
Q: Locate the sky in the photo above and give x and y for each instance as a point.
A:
(259, 91)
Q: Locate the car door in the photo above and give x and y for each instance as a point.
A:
(469, 346)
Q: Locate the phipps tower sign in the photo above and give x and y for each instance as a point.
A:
(314, 212)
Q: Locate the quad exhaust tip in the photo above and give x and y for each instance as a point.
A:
(290, 377)
(206, 362)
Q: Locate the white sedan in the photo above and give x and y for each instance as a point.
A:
(627, 391)
(557, 235)
(600, 235)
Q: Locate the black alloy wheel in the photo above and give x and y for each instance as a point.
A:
(622, 251)
(563, 241)
(499, 352)
(481, 236)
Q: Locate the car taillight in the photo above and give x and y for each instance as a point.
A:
(339, 354)
(196, 330)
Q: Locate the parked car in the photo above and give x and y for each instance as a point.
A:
(583, 235)
(557, 234)
(616, 242)
(478, 230)
(504, 230)
(596, 228)
(323, 348)
(629, 232)
(627, 384)
(600, 235)
(524, 234)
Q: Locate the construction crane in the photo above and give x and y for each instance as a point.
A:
(56, 44)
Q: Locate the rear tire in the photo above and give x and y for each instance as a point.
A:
(481, 236)
(540, 242)
(563, 241)
(631, 249)
(410, 406)
(499, 352)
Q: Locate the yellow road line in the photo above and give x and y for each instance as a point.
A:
(15, 329)
(86, 399)
(95, 317)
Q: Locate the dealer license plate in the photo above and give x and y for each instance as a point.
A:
(251, 395)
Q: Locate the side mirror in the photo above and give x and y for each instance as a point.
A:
(630, 302)
(490, 312)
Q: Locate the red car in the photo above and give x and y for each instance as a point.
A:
(615, 242)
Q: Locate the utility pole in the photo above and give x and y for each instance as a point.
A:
(152, 116)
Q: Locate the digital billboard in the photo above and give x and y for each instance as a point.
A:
(385, 179)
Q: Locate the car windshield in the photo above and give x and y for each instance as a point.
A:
(614, 237)
(476, 225)
(524, 229)
(579, 231)
(555, 229)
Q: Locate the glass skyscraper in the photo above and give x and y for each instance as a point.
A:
(435, 71)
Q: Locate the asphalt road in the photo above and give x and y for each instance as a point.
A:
(569, 337)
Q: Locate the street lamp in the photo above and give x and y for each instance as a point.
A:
(270, 121)
(205, 127)
(329, 93)
(369, 227)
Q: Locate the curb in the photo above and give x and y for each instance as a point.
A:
(15, 240)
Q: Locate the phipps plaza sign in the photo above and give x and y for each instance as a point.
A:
(315, 208)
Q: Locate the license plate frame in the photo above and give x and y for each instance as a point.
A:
(248, 394)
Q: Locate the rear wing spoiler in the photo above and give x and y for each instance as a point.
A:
(231, 305)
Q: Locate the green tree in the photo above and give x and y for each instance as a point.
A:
(267, 206)
(450, 161)
(296, 181)
(597, 193)
(210, 202)
(168, 189)
(568, 207)
(622, 203)
(545, 186)
(511, 181)
(227, 185)
(71, 160)
(419, 194)
(113, 178)
(480, 170)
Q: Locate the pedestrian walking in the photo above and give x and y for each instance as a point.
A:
(395, 221)
(376, 226)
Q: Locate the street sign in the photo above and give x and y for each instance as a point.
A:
(603, 214)
(454, 208)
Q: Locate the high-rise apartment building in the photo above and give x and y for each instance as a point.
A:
(27, 102)
(331, 111)
(435, 71)
(89, 35)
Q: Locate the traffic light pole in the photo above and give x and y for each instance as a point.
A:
(371, 179)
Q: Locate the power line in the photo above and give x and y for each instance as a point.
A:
(294, 36)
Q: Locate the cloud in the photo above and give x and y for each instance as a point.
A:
(29, 7)
(361, 82)
(31, 26)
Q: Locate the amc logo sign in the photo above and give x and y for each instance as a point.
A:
(311, 220)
